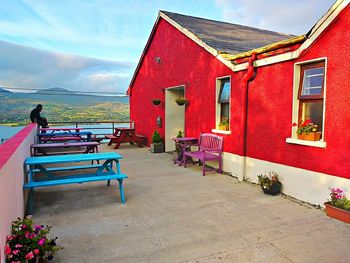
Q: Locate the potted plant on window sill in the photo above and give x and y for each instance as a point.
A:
(157, 145)
(224, 124)
(270, 183)
(156, 101)
(339, 205)
(307, 131)
(181, 101)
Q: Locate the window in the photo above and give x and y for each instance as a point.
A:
(311, 92)
(224, 100)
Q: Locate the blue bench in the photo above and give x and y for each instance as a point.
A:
(100, 172)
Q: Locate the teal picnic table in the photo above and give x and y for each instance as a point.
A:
(39, 175)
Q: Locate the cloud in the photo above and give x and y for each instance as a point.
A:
(293, 17)
(29, 68)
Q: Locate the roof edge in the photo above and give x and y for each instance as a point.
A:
(312, 36)
(267, 48)
(128, 92)
(196, 39)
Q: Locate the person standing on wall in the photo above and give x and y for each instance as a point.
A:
(35, 117)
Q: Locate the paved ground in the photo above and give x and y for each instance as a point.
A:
(174, 214)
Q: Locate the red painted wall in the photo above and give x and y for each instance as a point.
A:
(182, 63)
(270, 98)
(270, 108)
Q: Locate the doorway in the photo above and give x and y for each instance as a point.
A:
(174, 116)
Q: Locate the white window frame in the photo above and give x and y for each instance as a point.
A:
(295, 110)
(218, 105)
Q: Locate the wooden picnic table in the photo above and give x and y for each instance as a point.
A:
(122, 135)
(63, 148)
(49, 177)
(64, 136)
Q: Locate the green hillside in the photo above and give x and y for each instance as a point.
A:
(61, 105)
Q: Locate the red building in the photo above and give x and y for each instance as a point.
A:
(260, 82)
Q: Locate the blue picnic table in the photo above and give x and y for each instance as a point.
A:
(105, 171)
(64, 136)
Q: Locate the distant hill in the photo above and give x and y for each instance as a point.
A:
(3, 91)
(55, 91)
(63, 96)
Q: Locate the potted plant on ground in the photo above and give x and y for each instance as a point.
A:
(270, 183)
(178, 148)
(339, 205)
(156, 101)
(29, 242)
(157, 145)
(181, 101)
(307, 131)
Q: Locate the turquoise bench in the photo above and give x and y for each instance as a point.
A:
(97, 172)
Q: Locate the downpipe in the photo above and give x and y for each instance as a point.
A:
(244, 114)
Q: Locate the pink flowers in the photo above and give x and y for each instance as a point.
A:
(29, 242)
(41, 241)
(30, 235)
(337, 193)
(37, 227)
(30, 255)
(7, 250)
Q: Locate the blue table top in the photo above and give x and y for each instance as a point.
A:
(72, 158)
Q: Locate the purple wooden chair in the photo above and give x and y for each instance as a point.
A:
(209, 148)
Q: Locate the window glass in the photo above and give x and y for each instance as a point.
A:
(225, 91)
(313, 81)
(314, 112)
(225, 112)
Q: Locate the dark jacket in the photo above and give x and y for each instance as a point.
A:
(35, 115)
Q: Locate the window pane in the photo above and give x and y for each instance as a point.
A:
(225, 112)
(225, 91)
(314, 112)
(313, 81)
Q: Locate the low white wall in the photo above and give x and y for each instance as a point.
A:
(12, 155)
(305, 185)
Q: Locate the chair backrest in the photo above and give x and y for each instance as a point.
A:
(212, 142)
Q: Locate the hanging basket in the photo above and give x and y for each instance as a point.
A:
(181, 101)
(156, 101)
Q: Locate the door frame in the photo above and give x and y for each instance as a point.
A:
(174, 115)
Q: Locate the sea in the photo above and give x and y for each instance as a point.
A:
(7, 132)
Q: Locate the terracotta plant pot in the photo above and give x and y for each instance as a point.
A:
(310, 136)
(337, 213)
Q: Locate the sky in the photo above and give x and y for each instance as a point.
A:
(95, 45)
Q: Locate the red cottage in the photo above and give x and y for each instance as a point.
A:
(259, 82)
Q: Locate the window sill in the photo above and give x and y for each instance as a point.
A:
(220, 131)
(319, 144)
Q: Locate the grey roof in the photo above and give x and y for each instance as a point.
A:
(226, 37)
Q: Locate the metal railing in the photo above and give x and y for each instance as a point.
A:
(106, 127)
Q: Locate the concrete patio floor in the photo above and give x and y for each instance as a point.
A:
(174, 214)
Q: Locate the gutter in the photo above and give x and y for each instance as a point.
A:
(264, 49)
